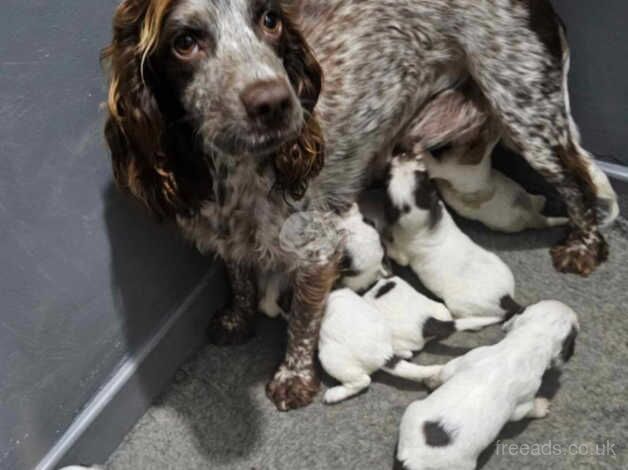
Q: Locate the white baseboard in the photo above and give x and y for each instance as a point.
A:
(613, 170)
(111, 413)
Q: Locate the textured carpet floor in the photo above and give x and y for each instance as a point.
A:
(215, 414)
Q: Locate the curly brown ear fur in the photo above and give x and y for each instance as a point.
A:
(296, 163)
(134, 128)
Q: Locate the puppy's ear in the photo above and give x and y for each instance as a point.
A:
(134, 128)
(509, 324)
(569, 345)
(298, 162)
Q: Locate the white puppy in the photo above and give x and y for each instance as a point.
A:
(361, 265)
(355, 341)
(463, 170)
(273, 288)
(362, 262)
(478, 192)
(484, 389)
(471, 280)
(414, 319)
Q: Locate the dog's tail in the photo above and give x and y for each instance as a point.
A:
(407, 370)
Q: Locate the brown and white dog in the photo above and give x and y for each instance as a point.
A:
(219, 120)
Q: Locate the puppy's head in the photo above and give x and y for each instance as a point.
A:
(237, 76)
(362, 263)
(412, 198)
(553, 318)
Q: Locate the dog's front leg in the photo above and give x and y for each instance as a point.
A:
(234, 325)
(296, 382)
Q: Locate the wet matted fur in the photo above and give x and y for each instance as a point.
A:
(183, 142)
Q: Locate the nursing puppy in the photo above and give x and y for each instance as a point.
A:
(355, 341)
(471, 280)
(273, 291)
(361, 266)
(415, 319)
(363, 259)
(462, 169)
(484, 389)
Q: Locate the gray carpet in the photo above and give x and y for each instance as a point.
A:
(215, 414)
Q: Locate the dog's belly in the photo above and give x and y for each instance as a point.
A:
(380, 66)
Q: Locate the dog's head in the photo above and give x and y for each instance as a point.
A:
(236, 77)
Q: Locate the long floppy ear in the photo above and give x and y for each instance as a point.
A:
(134, 128)
(296, 163)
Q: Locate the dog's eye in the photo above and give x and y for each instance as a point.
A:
(271, 23)
(185, 45)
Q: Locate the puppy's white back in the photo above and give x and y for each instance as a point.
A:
(405, 310)
(353, 329)
(470, 279)
(482, 390)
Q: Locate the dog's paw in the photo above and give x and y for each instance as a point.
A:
(581, 253)
(230, 328)
(290, 390)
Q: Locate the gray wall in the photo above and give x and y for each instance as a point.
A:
(87, 277)
(599, 73)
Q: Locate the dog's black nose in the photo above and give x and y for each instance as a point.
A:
(267, 101)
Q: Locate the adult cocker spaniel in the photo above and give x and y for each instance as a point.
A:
(220, 119)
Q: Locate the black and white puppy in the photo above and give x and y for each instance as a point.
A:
(355, 341)
(484, 389)
(361, 267)
(363, 260)
(360, 335)
(471, 280)
(416, 319)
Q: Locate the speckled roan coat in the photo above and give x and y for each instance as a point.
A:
(382, 61)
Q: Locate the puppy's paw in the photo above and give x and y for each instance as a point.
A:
(581, 253)
(405, 354)
(397, 255)
(541, 408)
(290, 390)
(433, 382)
(335, 395)
(230, 328)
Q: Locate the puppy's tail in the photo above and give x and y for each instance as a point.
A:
(476, 323)
(407, 370)
(545, 222)
(439, 329)
(510, 307)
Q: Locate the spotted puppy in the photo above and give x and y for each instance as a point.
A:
(356, 341)
(363, 260)
(414, 318)
(485, 389)
(361, 267)
(463, 172)
(471, 280)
